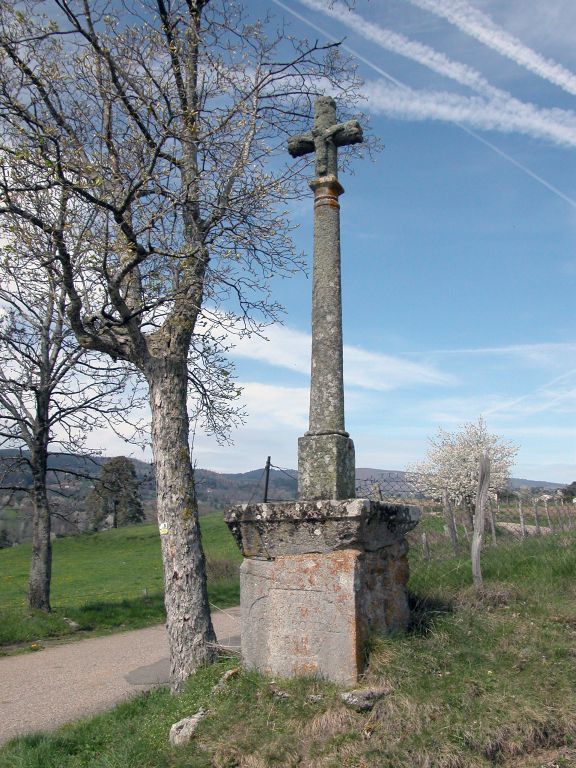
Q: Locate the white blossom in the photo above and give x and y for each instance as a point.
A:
(453, 460)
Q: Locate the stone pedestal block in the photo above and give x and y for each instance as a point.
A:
(300, 527)
(311, 614)
(326, 467)
(319, 577)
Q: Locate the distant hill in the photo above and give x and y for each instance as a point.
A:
(516, 482)
(216, 490)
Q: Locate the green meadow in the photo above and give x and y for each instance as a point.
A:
(107, 581)
(483, 677)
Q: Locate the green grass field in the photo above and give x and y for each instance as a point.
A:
(482, 679)
(106, 581)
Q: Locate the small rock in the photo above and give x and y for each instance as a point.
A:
(221, 684)
(182, 731)
(315, 698)
(74, 626)
(278, 693)
(363, 699)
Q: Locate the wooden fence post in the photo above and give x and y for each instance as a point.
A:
(521, 515)
(547, 513)
(536, 517)
(425, 546)
(559, 517)
(492, 523)
(569, 517)
(481, 497)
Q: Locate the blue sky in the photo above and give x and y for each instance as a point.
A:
(458, 241)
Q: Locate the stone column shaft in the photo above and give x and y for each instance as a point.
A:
(327, 379)
(326, 465)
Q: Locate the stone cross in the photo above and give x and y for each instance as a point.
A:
(326, 463)
(326, 137)
(324, 573)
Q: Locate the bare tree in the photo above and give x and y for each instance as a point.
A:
(52, 391)
(168, 123)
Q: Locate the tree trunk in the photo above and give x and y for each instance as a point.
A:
(469, 513)
(190, 633)
(463, 516)
(481, 497)
(41, 564)
(450, 523)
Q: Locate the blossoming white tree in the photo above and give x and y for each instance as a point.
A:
(452, 465)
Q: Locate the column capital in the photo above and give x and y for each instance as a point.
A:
(328, 184)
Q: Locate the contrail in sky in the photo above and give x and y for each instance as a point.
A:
(416, 95)
(491, 115)
(558, 397)
(403, 46)
(502, 111)
(480, 26)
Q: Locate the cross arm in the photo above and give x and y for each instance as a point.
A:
(347, 133)
(301, 145)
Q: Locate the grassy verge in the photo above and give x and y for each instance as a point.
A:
(482, 679)
(107, 581)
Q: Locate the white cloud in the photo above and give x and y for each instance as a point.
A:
(274, 406)
(281, 346)
(288, 348)
(382, 372)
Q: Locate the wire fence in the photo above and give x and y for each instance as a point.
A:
(445, 532)
(390, 487)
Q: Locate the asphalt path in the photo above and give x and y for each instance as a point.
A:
(41, 691)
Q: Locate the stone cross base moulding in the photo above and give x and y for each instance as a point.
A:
(326, 467)
(319, 577)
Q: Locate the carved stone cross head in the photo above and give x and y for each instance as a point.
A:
(325, 138)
